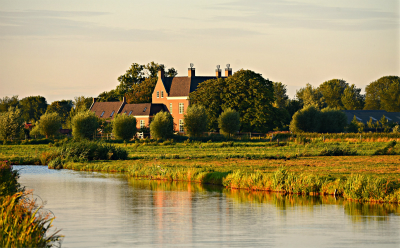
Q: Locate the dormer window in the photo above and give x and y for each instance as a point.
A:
(158, 94)
(102, 114)
(144, 110)
(112, 114)
(162, 94)
(130, 113)
(125, 112)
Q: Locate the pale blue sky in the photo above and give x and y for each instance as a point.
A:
(63, 49)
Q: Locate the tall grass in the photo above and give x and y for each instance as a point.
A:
(22, 222)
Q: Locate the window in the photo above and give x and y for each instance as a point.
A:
(181, 125)
(144, 110)
(102, 114)
(358, 119)
(125, 112)
(142, 124)
(170, 108)
(373, 118)
(130, 113)
(112, 114)
(181, 108)
(162, 94)
(158, 94)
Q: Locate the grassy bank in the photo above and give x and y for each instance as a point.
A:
(22, 222)
(377, 181)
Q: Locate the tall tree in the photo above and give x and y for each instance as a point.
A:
(383, 94)
(352, 99)
(311, 96)
(280, 95)
(11, 123)
(7, 102)
(210, 94)
(246, 92)
(33, 107)
(332, 91)
(62, 108)
(141, 93)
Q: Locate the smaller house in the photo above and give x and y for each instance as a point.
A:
(364, 115)
(143, 112)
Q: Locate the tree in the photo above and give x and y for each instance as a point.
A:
(355, 126)
(35, 130)
(33, 107)
(11, 123)
(62, 108)
(124, 126)
(109, 96)
(332, 91)
(229, 122)
(311, 96)
(281, 97)
(383, 94)
(352, 99)
(49, 124)
(162, 126)
(141, 93)
(80, 104)
(8, 102)
(84, 125)
(210, 94)
(195, 120)
(292, 106)
(136, 75)
(332, 121)
(384, 124)
(307, 119)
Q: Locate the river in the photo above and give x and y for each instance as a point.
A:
(96, 209)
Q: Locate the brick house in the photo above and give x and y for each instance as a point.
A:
(170, 94)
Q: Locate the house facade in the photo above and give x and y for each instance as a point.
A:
(170, 94)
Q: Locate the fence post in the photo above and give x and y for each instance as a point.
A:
(360, 138)
(278, 141)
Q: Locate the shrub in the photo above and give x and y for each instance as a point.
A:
(229, 122)
(35, 132)
(49, 124)
(84, 125)
(11, 124)
(396, 129)
(8, 179)
(332, 121)
(124, 126)
(337, 151)
(162, 126)
(355, 126)
(307, 119)
(195, 120)
(387, 150)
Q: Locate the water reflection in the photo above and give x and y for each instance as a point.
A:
(100, 209)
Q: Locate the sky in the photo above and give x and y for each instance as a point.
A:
(64, 49)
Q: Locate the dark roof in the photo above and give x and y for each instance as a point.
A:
(365, 115)
(107, 107)
(149, 109)
(182, 86)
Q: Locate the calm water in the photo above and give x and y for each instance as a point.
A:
(109, 210)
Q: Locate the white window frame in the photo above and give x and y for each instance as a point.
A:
(170, 107)
(181, 129)
(181, 108)
(142, 124)
(158, 94)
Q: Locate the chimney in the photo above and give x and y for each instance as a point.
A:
(228, 70)
(218, 72)
(94, 99)
(191, 71)
(124, 99)
(161, 72)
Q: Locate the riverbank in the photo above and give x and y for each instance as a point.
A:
(372, 179)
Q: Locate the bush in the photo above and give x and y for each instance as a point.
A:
(332, 121)
(355, 126)
(387, 150)
(307, 119)
(35, 132)
(84, 125)
(195, 120)
(124, 126)
(396, 129)
(49, 124)
(162, 126)
(229, 122)
(337, 151)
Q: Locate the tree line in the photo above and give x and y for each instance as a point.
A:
(262, 105)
